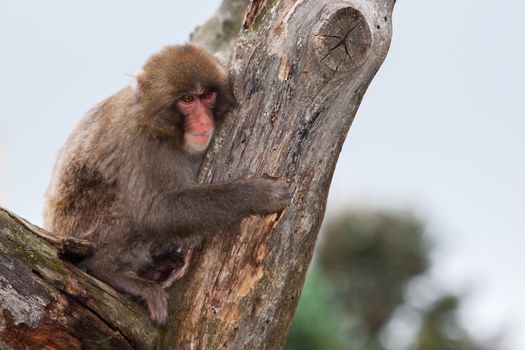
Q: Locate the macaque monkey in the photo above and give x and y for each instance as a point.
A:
(126, 177)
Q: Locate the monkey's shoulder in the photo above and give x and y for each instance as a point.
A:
(104, 128)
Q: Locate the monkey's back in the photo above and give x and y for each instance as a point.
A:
(82, 197)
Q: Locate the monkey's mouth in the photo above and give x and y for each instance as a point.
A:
(199, 138)
(200, 134)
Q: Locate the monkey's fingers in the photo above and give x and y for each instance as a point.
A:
(180, 272)
(77, 247)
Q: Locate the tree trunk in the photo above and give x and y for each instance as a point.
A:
(299, 70)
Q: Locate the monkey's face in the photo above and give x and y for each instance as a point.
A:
(184, 94)
(197, 107)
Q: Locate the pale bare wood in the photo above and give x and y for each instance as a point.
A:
(299, 70)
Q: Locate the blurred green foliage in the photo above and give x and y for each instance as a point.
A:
(366, 260)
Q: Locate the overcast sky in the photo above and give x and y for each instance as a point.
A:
(440, 130)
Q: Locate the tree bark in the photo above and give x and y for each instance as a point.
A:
(48, 303)
(299, 69)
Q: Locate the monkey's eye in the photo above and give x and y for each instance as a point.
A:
(207, 94)
(187, 98)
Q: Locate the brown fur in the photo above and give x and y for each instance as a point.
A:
(124, 181)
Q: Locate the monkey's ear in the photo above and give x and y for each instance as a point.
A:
(140, 84)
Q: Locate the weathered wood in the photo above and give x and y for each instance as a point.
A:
(299, 70)
(47, 301)
(217, 34)
(66, 246)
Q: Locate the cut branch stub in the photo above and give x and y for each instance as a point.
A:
(343, 40)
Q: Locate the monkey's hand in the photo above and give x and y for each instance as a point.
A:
(271, 195)
(178, 273)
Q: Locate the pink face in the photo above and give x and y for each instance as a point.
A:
(198, 125)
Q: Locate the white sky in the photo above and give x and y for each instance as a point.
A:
(440, 130)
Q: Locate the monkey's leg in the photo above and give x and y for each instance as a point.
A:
(180, 272)
(149, 291)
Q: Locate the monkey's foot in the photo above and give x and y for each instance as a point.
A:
(178, 273)
(157, 306)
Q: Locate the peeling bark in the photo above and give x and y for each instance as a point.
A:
(299, 70)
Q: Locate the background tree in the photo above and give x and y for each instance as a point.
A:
(365, 264)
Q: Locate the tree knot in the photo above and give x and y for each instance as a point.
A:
(343, 40)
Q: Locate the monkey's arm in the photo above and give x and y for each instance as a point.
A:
(158, 190)
(203, 207)
(226, 203)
